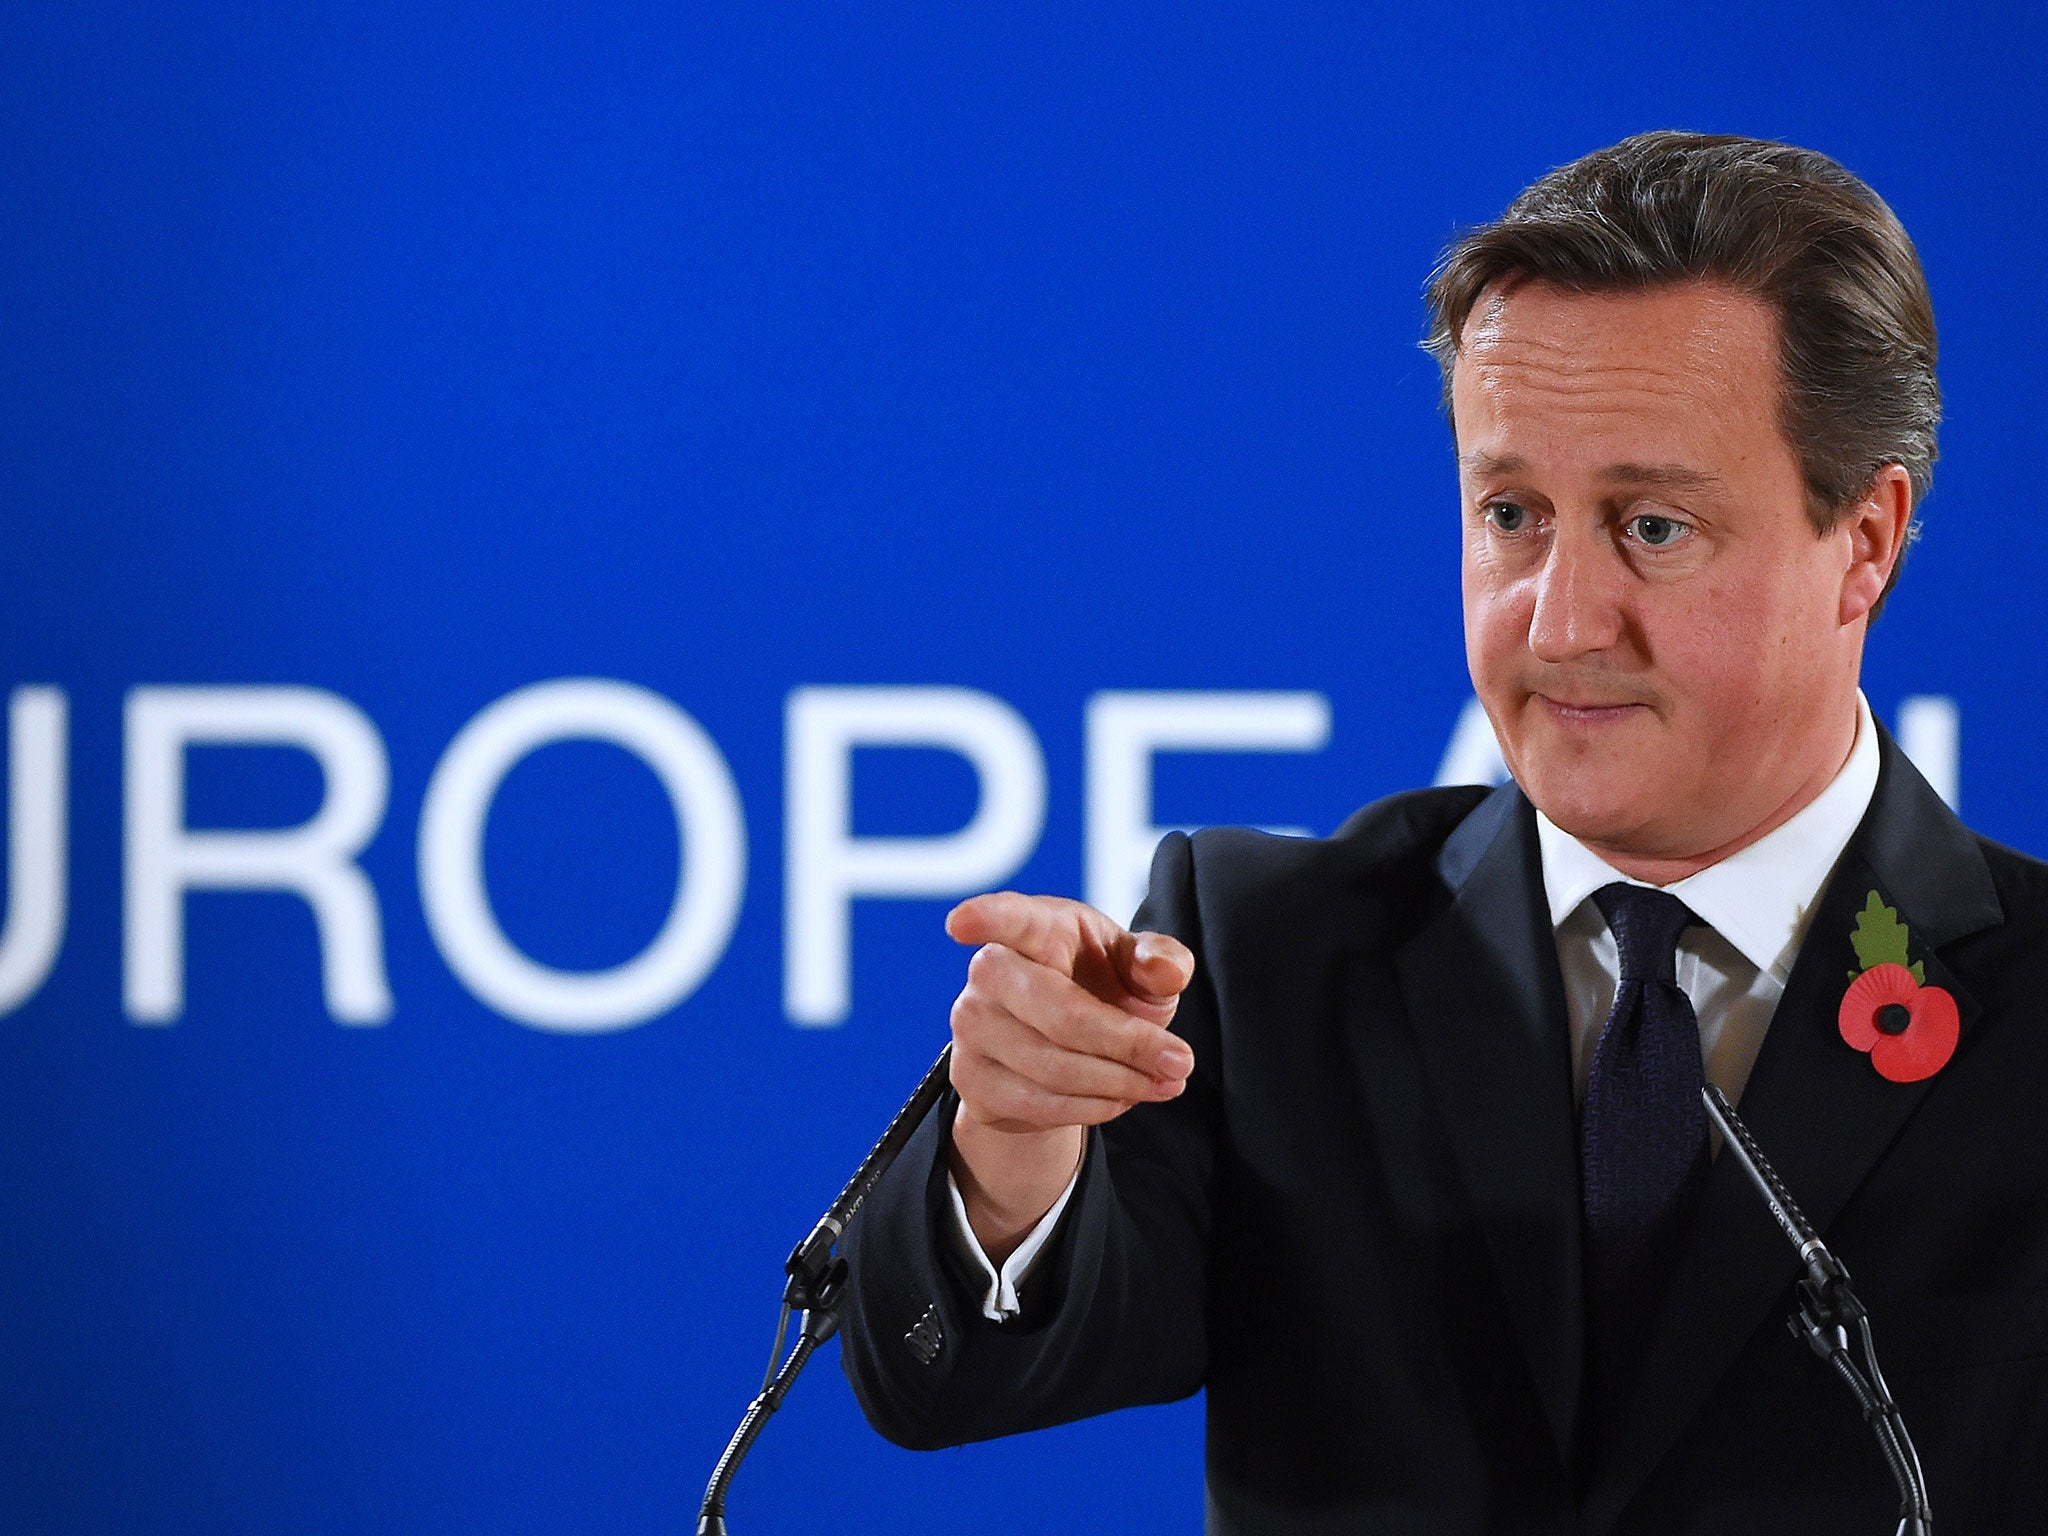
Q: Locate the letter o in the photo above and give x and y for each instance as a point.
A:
(709, 880)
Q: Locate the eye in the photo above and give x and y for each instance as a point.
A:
(1657, 532)
(1507, 516)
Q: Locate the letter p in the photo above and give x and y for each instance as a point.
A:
(828, 866)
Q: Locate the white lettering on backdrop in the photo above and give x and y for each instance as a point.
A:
(315, 860)
(1127, 730)
(710, 878)
(37, 823)
(827, 868)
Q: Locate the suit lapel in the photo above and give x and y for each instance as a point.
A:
(1483, 992)
(1818, 1108)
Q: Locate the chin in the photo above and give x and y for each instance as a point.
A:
(1588, 804)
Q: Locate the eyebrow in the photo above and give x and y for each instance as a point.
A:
(1662, 476)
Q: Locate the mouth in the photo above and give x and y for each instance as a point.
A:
(1586, 712)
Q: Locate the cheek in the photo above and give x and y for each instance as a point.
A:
(1497, 658)
(1496, 627)
(1735, 649)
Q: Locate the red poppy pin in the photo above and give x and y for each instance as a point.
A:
(1908, 1028)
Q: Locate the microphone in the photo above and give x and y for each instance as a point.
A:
(1828, 1310)
(817, 1285)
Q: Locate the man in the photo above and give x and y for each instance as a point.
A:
(1393, 1140)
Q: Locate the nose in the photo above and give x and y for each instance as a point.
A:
(1579, 596)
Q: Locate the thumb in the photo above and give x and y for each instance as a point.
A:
(1154, 966)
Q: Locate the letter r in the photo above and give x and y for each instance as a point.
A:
(314, 860)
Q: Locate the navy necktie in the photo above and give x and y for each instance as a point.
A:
(1643, 1149)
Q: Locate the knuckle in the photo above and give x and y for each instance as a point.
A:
(969, 1015)
(978, 1084)
(965, 1073)
(982, 964)
(1135, 1043)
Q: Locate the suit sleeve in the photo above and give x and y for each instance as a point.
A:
(1115, 1311)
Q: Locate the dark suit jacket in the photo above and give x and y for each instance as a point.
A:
(1359, 1227)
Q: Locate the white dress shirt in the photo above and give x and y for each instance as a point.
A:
(1755, 906)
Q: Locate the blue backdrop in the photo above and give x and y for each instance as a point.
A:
(388, 359)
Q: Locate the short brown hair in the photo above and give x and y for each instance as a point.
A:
(1789, 225)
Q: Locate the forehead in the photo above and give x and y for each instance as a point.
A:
(1677, 373)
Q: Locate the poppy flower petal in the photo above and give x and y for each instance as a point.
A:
(1927, 1044)
(1874, 989)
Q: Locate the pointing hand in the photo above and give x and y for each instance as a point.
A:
(1062, 1024)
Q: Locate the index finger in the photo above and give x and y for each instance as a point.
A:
(1047, 929)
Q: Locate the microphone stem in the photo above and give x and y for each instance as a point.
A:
(817, 1285)
(1827, 1306)
(711, 1514)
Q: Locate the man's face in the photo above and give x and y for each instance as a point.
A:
(1658, 636)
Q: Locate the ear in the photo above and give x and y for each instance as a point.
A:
(1876, 527)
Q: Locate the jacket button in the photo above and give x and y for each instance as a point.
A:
(926, 1338)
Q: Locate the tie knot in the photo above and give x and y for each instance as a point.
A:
(1646, 924)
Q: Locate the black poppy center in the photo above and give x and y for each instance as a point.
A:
(1893, 1018)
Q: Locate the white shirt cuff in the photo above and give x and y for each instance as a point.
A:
(1000, 1302)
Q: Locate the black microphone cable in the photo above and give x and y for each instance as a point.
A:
(1828, 1309)
(816, 1287)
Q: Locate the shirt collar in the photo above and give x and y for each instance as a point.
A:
(1757, 899)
